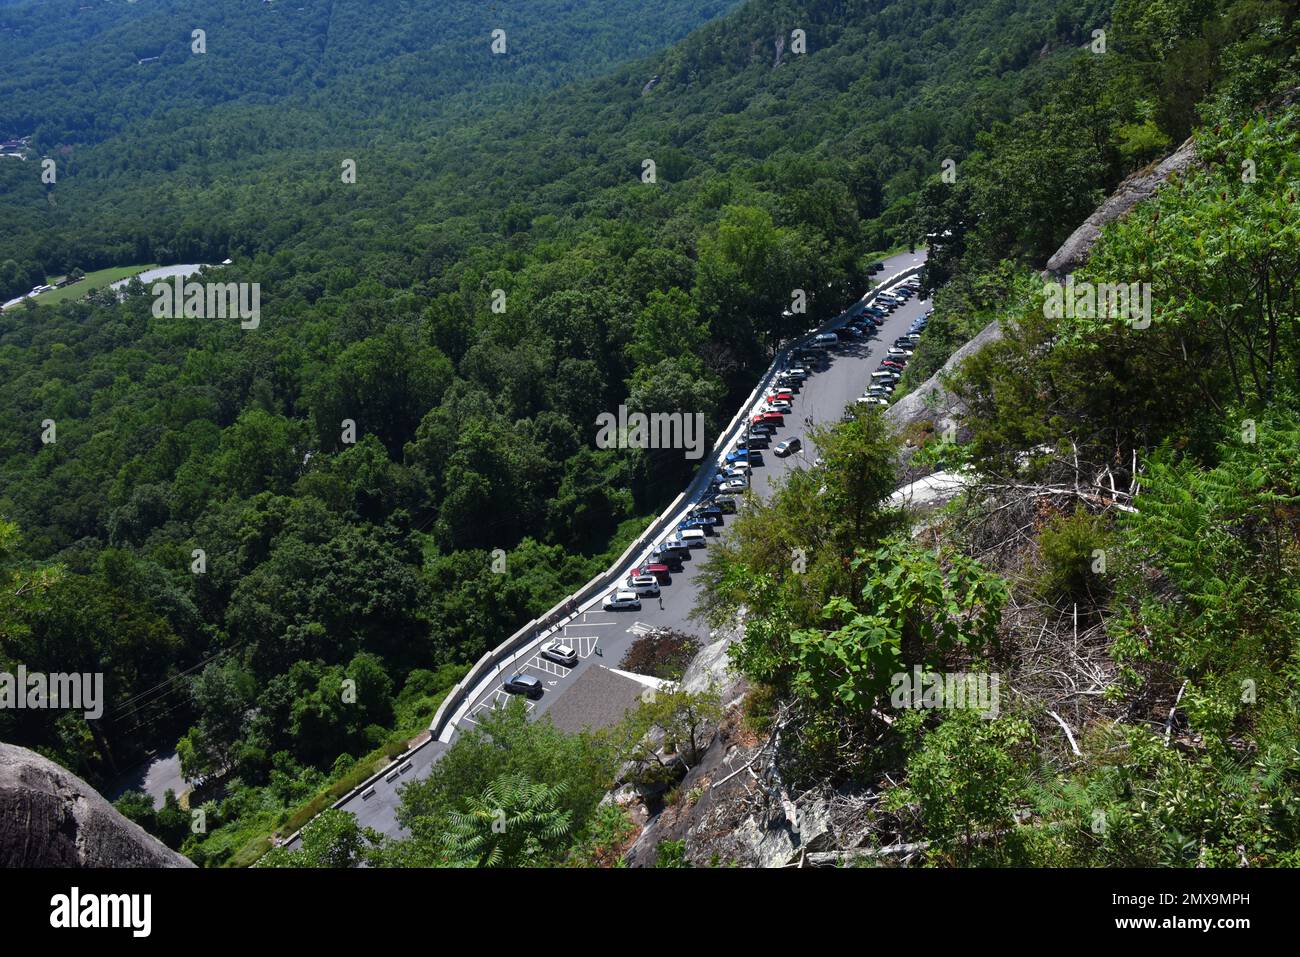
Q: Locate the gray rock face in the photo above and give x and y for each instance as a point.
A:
(49, 817)
(932, 400)
(1137, 187)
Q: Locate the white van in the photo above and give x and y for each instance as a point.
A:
(694, 537)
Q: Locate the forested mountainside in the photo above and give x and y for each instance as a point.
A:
(116, 93)
(774, 171)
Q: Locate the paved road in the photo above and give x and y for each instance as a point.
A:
(601, 638)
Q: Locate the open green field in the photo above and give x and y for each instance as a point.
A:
(94, 280)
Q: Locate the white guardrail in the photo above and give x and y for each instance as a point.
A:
(488, 669)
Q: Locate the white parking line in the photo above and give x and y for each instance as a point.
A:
(498, 699)
(548, 666)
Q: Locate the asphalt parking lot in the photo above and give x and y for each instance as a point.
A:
(602, 638)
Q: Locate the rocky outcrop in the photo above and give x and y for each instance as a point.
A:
(49, 817)
(932, 401)
(1074, 252)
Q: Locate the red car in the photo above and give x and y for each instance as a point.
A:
(776, 418)
(660, 571)
(892, 364)
(781, 397)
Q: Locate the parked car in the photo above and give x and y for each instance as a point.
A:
(826, 339)
(647, 586)
(524, 684)
(660, 570)
(775, 418)
(760, 441)
(623, 600)
(725, 503)
(785, 408)
(670, 553)
(871, 400)
(561, 654)
(734, 485)
(788, 447)
(695, 524)
(896, 351)
(694, 537)
(738, 454)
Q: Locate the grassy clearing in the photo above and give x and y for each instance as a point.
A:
(94, 280)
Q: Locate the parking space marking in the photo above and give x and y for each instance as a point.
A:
(548, 666)
(497, 700)
(640, 628)
(584, 645)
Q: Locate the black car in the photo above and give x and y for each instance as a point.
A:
(671, 559)
(525, 685)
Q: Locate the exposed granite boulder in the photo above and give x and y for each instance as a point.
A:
(1137, 187)
(931, 401)
(49, 817)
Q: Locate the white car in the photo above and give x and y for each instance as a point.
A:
(645, 585)
(739, 471)
(619, 600)
(872, 400)
(561, 654)
(734, 485)
(776, 405)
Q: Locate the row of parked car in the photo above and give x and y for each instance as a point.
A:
(885, 379)
(648, 579)
(732, 478)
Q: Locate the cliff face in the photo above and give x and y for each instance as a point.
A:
(931, 400)
(749, 819)
(49, 817)
(1074, 252)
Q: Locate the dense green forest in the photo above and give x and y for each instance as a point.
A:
(774, 171)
